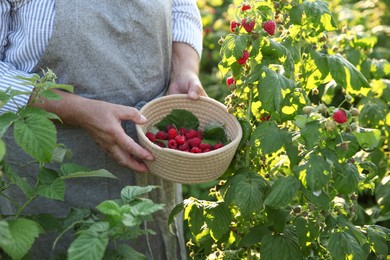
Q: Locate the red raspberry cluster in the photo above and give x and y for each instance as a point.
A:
(187, 140)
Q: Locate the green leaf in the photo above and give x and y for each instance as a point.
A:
(270, 137)
(341, 245)
(91, 243)
(254, 235)
(347, 179)
(214, 132)
(270, 89)
(368, 139)
(347, 151)
(145, 208)
(29, 111)
(130, 220)
(101, 173)
(2, 150)
(6, 120)
(310, 132)
(130, 193)
(307, 231)
(319, 14)
(218, 219)
(321, 61)
(346, 74)
(373, 112)
(315, 173)
(54, 190)
(5, 237)
(109, 207)
(20, 182)
(126, 252)
(195, 218)
(23, 232)
(281, 247)
(247, 192)
(278, 218)
(321, 200)
(179, 118)
(174, 212)
(296, 13)
(282, 192)
(378, 240)
(37, 136)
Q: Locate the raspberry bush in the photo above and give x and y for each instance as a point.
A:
(310, 180)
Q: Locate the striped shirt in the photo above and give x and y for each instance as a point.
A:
(26, 27)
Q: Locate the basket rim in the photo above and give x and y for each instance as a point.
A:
(233, 142)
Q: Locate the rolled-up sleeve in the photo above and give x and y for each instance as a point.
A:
(8, 72)
(187, 24)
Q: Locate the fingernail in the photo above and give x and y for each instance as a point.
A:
(149, 158)
(142, 119)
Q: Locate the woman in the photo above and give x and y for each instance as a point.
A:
(118, 55)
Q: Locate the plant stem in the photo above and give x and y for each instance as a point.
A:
(20, 210)
(249, 253)
(248, 117)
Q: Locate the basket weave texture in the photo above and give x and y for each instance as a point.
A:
(184, 167)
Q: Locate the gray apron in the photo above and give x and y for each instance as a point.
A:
(118, 51)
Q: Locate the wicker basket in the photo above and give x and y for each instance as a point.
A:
(184, 167)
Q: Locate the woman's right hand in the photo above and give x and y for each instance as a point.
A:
(102, 120)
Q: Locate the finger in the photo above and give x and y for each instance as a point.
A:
(128, 145)
(128, 161)
(130, 113)
(196, 90)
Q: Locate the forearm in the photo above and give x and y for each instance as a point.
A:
(184, 57)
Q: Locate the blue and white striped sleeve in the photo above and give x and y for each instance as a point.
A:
(187, 24)
(8, 72)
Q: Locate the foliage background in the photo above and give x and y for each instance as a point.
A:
(369, 19)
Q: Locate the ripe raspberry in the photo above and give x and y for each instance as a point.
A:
(151, 137)
(195, 150)
(161, 135)
(245, 7)
(167, 127)
(199, 134)
(230, 80)
(340, 116)
(204, 146)
(184, 147)
(182, 131)
(234, 26)
(172, 144)
(244, 57)
(180, 139)
(191, 134)
(217, 146)
(194, 142)
(172, 133)
(248, 25)
(269, 27)
(206, 150)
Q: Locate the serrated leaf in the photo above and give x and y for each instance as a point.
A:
(281, 247)
(319, 14)
(342, 244)
(218, 219)
(37, 136)
(270, 137)
(254, 236)
(20, 182)
(145, 208)
(6, 120)
(24, 232)
(368, 138)
(130, 220)
(130, 193)
(282, 192)
(109, 207)
(215, 132)
(195, 218)
(373, 112)
(296, 13)
(179, 118)
(29, 111)
(5, 234)
(310, 132)
(54, 190)
(127, 252)
(270, 89)
(247, 192)
(347, 179)
(321, 61)
(346, 74)
(90, 244)
(378, 240)
(315, 173)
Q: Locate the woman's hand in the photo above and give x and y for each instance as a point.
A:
(185, 70)
(102, 120)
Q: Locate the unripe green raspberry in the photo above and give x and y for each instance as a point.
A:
(330, 125)
(307, 109)
(354, 111)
